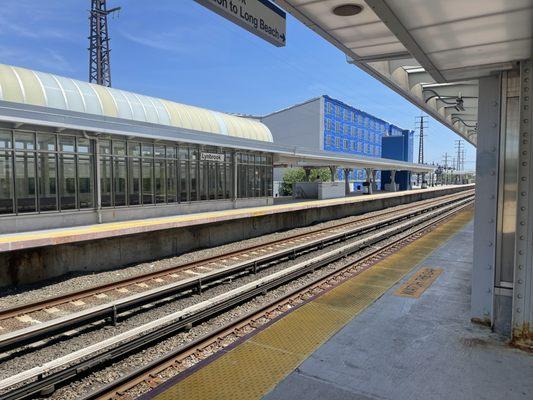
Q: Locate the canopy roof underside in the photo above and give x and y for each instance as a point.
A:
(431, 52)
(20, 85)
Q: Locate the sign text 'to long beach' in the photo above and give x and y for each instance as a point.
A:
(261, 17)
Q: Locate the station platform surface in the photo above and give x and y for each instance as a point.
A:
(49, 237)
(363, 341)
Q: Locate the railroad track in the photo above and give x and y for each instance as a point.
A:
(45, 377)
(30, 323)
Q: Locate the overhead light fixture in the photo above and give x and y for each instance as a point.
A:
(459, 104)
(347, 10)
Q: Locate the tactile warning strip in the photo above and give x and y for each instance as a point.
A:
(253, 368)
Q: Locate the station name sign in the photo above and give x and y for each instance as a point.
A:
(261, 17)
(212, 157)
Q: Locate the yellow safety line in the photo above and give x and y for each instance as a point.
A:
(253, 368)
(190, 218)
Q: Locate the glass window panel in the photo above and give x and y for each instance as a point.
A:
(221, 181)
(212, 181)
(6, 140)
(250, 175)
(86, 181)
(47, 182)
(203, 180)
(147, 150)
(269, 181)
(67, 182)
(6, 183)
(24, 140)
(67, 143)
(241, 174)
(105, 146)
(183, 153)
(171, 152)
(159, 180)
(159, 151)
(193, 181)
(120, 177)
(257, 181)
(262, 181)
(172, 181)
(193, 153)
(147, 181)
(105, 181)
(84, 145)
(46, 141)
(25, 182)
(184, 181)
(134, 149)
(229, 181)
(119, 148)
(134, 185)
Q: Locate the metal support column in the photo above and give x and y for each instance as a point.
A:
(347, 181)
(374, 184)
(486, 199)
(522, 306)
(368, 173)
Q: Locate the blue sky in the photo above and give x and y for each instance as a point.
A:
(178, 50)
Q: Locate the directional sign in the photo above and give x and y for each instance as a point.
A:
(261, 17)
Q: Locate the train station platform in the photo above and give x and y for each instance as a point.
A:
(365, 340)
(33, 256)
(24, 240)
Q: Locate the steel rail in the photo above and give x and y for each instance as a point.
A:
(141, 374)
(47, 382)
(78, 295)
(111, 310)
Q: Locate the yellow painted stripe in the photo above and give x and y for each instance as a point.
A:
(253, 368)
(191, 218)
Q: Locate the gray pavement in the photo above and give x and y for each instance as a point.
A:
(425, 348)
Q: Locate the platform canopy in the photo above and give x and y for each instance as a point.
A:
(24, 86)
(306, 158)
(430, 52)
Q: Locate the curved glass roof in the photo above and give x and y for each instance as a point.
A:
(25, 86)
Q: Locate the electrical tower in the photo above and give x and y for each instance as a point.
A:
(421, 122)
(99, 68)
(460, 158)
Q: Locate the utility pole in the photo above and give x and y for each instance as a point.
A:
(99, 66)
(421, 125)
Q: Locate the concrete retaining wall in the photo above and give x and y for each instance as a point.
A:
(38, 264)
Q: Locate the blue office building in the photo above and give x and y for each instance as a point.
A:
(398, 145)
(324, 123)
